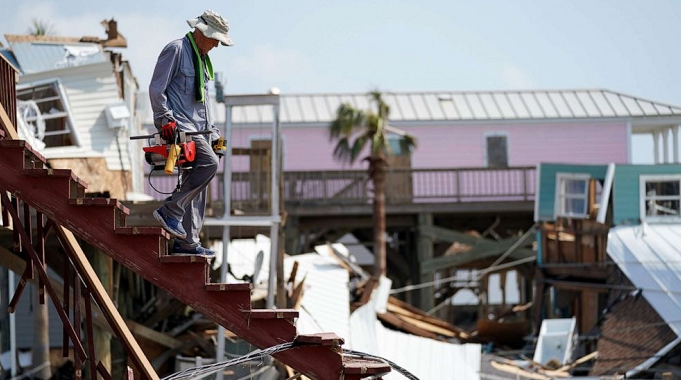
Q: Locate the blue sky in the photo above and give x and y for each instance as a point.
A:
(353, 46)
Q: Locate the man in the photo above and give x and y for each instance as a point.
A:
(179, 99)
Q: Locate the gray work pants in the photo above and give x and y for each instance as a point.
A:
(189, 203)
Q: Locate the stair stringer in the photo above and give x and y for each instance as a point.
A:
(50, 195)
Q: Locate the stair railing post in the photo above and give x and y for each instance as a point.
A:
(274, 207)
(227, 207)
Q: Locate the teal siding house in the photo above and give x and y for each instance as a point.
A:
(608, 248)
(610, 194)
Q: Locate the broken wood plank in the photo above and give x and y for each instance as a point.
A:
(579, 361)
(7, 124)
(515, 370)
(150, 334)
(393, 320)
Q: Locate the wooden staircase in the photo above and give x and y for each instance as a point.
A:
(60, 195)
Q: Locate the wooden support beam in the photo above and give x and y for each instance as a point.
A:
(7, 124)
(478, 253)
(88, 274)
(424, 249)
(153, 335)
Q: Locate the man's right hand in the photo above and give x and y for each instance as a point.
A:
(168, 131)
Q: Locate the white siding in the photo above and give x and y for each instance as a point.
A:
(89, 90)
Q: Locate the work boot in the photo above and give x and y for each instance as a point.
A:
(198, 250)
(173, 226)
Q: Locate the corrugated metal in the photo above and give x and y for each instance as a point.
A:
(650, 256)
(325, 306)
(89, 90)
(423, 357)
(457, 106)
(35, 57)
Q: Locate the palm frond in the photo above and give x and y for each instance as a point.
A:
(342, 150)
(408, 142)
(347, 120)
(358, 146)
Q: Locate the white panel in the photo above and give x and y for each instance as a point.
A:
(575, 104)
(434, 105)
(462, 108)
(589, 104)
(407, 110)
(550, 110)
(616, 103)
(293, 113)
(518, 105)
(559, 104)
(649, 256)
(476, 107)
(362, 102)
(322, 108)
(325, 305)
(491, 107)
(505, 106)
(395, 110)
(633, 106)
(532, 104)
(420, 108)
(449, 107)
(334, 102)
(307, 109)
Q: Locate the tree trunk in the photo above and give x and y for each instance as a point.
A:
(377, 173)
(41, 338)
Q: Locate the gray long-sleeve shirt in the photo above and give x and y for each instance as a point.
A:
(172, 90)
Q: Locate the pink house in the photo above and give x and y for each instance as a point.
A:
(477, 129)
(497, 130)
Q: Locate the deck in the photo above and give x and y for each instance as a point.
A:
(349, 192)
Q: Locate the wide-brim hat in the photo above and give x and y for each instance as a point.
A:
(212, 25)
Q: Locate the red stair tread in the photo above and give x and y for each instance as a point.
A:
(143, 231)
(100, 202)
(228, 287)
(355, 366)
(22, 144)
(54, 173)
(272, 313)
(175, 259)
(323, 339)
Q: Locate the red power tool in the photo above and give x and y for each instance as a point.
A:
(165, 155)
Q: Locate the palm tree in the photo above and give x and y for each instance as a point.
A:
(354, 129)
(40, 27)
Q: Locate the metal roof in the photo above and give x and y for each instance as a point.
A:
(36, 55)
(650, 256)
(451, 106)
(466, 106)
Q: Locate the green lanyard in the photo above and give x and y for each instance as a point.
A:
(198, 67)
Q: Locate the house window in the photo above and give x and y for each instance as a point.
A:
(51, 101)
(661, 198)
(496, 147)
(572, 195)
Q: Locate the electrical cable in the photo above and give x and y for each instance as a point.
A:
(202, 371)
